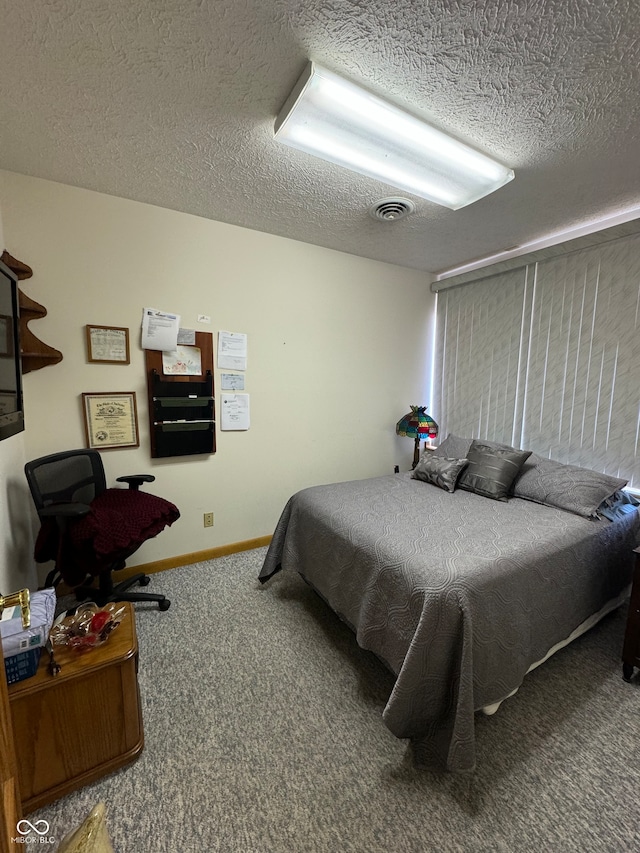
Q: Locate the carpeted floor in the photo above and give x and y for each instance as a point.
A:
(263, 734)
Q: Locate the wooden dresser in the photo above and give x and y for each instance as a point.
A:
(81, 724)
(631, 648)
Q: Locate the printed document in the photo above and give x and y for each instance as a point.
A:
(235, 411)
(232, 351)
(159, 330)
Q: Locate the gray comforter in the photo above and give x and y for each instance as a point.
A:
(457, 593)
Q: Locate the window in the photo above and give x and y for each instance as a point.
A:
(547, 357)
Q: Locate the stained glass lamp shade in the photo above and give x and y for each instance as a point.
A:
(417, 425)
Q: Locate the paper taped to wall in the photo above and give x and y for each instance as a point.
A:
(159, 330)
(232, 350)
(234, 412)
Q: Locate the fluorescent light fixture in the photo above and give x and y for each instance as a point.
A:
(339, 121)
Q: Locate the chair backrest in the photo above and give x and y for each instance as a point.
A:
(74, 475)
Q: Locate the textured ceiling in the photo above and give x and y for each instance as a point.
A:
(172, 103)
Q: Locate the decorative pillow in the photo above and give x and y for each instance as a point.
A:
(577, 490)
(439, 470)
(492, 469)
(453, 447)
(618, 505)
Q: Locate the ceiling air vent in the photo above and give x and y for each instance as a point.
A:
(391, 209)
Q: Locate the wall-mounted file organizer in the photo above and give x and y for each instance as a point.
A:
(182, 408)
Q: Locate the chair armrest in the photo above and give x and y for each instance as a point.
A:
(67, 510)
(136, 480)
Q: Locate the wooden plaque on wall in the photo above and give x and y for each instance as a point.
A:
(181, 405)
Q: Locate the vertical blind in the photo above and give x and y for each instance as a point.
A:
(547, 357)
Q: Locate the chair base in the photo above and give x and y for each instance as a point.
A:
(108, 591)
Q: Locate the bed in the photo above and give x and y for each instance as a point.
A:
(458, 593)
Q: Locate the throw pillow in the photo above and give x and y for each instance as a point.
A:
(568, 487)
(453, 447)
(440, 471)
(492, 470)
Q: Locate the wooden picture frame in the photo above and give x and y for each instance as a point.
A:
(110, 419)
(107, 344)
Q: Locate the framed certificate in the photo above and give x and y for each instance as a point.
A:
(107, 345)
(111, 419)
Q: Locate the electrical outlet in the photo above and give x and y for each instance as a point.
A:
(208, 519)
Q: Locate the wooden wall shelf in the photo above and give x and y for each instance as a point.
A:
(34, 352)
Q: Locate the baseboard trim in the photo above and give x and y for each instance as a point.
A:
(193, 557)
(183, 560)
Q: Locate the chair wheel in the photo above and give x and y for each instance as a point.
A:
(145, 580)
(164, 605)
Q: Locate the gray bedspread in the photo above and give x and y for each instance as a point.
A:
(458, 594)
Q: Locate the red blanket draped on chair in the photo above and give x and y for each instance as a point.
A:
(119, 521)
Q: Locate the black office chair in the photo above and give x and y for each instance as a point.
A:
(89, 530)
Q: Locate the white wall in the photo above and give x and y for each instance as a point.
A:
(339, 347)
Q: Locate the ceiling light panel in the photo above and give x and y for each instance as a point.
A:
(344, 124)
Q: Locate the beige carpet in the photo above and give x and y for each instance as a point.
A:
(264, 735)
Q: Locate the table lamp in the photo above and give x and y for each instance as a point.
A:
(418, 425)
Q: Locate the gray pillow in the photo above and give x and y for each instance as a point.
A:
(578, 490)
(492, 469)
(438, 470)
(453, 447)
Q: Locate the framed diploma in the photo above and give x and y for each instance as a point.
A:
(107, 345)
(111, 419)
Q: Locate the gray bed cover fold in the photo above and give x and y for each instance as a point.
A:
(458, 594)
